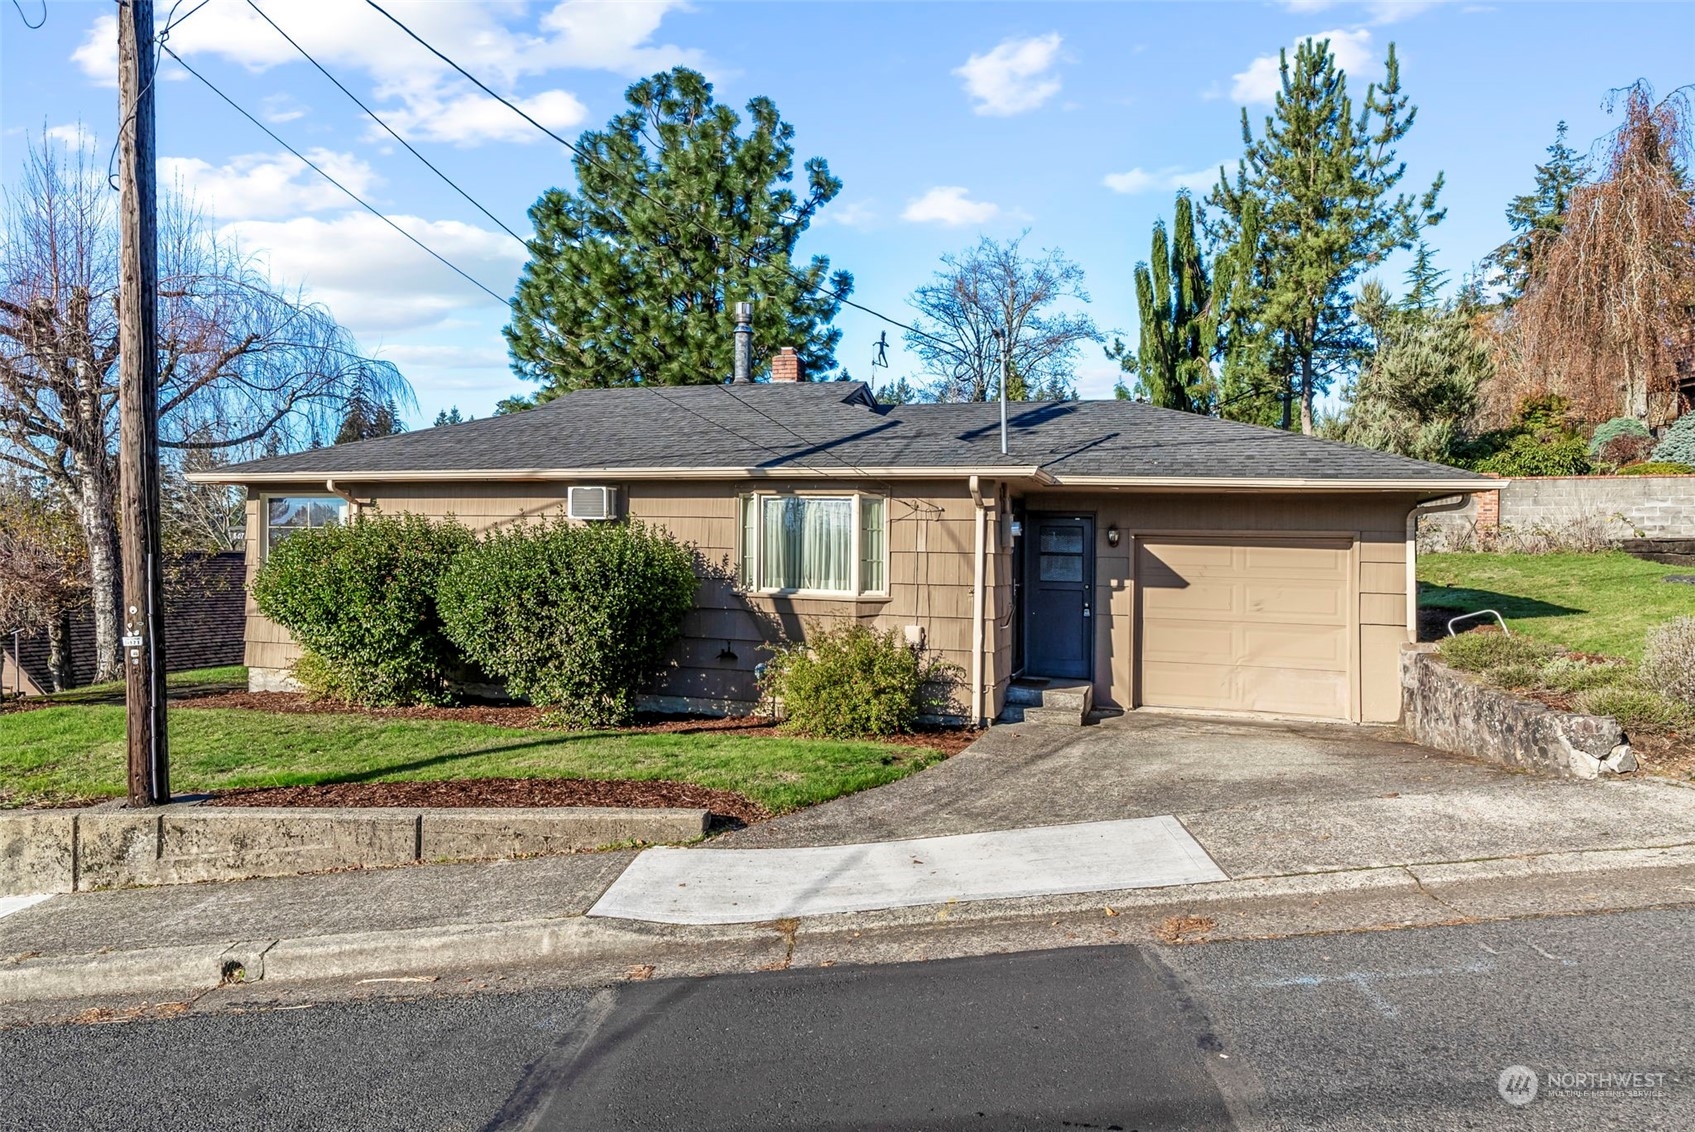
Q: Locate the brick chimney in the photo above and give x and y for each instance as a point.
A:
(785, 365)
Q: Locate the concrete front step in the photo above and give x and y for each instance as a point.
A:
(1053, 716)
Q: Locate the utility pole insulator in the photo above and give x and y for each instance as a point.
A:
(138, 412)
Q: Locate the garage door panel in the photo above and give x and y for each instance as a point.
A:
(1261, 625)
(1269, 645)
(1293, 601)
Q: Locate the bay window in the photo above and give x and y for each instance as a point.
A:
(827, 544)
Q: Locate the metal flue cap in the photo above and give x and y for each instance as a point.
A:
(744, 312)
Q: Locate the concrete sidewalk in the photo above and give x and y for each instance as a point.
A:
(1318, 830)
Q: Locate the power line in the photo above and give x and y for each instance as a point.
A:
(367, 206)
(39, 24)
(372, 114)
(747, 257)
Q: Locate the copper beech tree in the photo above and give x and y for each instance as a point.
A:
(1608, 317)
(243, 365)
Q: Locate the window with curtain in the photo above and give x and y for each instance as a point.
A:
(286, 514)
(813, 543)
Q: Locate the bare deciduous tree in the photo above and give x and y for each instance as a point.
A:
(994, 287)
(241, 362)
(1609, 322)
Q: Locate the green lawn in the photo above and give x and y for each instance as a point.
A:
(61, 754)
(229, 677)
(1599, 603)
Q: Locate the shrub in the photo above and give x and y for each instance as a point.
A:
(1634, 707)
(1678, 445)
(1657, 468)
(1615, 429)
(360, 599)
(1623, 450)
(1517, 675)
(850, 680)
(1569, 674)
(1668, 661)
(1532, 455)
(575, 618)
(1483, 651)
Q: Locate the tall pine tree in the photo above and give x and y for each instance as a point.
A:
(675, 217)
(1537, 218)
(1313, 205)
(1172, 364)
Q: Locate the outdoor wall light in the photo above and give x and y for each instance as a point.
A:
(1112, 535)
(727, 653)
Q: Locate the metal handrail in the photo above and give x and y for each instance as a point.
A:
(1502, 621)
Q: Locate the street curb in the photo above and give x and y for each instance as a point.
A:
(610, 950)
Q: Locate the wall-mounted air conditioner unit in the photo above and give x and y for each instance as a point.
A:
(591, 504)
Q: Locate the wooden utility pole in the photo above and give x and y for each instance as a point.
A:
(138, 408)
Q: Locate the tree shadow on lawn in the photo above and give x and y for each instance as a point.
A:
(456, 756)
(1464, 600)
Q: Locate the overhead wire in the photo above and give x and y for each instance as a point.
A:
(748, 257)
(392, 132)
(355, 197)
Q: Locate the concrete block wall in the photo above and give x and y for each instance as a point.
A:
(1626, 506)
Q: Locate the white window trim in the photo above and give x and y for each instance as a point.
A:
(265, 513)
(856, 582)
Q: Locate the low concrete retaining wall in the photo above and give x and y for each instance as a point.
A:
(1622, 507)
(82, 850)
(1450, 711)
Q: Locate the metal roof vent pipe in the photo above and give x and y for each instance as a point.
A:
(743, 372)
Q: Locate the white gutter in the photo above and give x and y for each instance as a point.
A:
(352, 501)
(237, 476)
(1260, 483)
(1434, 507)
(979, 578)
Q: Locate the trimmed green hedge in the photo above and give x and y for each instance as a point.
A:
(360, 598)
(575, 618)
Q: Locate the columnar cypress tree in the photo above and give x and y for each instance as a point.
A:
(1173, 362)
(1312, 206)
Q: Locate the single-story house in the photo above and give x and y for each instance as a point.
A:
(1168, 559)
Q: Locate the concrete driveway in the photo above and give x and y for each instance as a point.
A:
(1264, 799)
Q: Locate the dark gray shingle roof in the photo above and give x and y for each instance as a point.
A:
(836, 427)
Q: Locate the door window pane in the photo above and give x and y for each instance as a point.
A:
(1062, 540)
(1061, 568)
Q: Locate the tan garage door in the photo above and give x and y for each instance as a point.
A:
(1245, 626)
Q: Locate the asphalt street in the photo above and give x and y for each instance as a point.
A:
(1413, 1029)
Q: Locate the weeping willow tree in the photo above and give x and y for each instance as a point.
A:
(1172, 364)
(1609, 321)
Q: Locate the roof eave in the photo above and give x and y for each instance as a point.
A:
(1266, 483)
(533, 475)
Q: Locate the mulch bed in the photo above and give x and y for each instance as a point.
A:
(950, 740)
(504, 793)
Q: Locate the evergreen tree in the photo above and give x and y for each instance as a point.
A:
(675, 217)
(1313, 204)
(1424, 279)
(1537, 217)
(1173, 365)
(449, 417)
(365, 420)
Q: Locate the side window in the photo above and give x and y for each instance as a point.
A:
(286, 514)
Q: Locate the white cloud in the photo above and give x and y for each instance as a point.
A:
(279, 108)
(492, 40)
(72, 134)
(1171, 178)
(372, 278)
(949, 205)
(1014, 77)
(1379, 11)
(258, 186)
(469, 117)
(1262, 80)
(854, 214)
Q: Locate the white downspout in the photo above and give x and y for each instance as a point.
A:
(978, 582)
(1434, 507)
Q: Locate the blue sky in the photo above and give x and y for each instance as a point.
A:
(945, 121)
